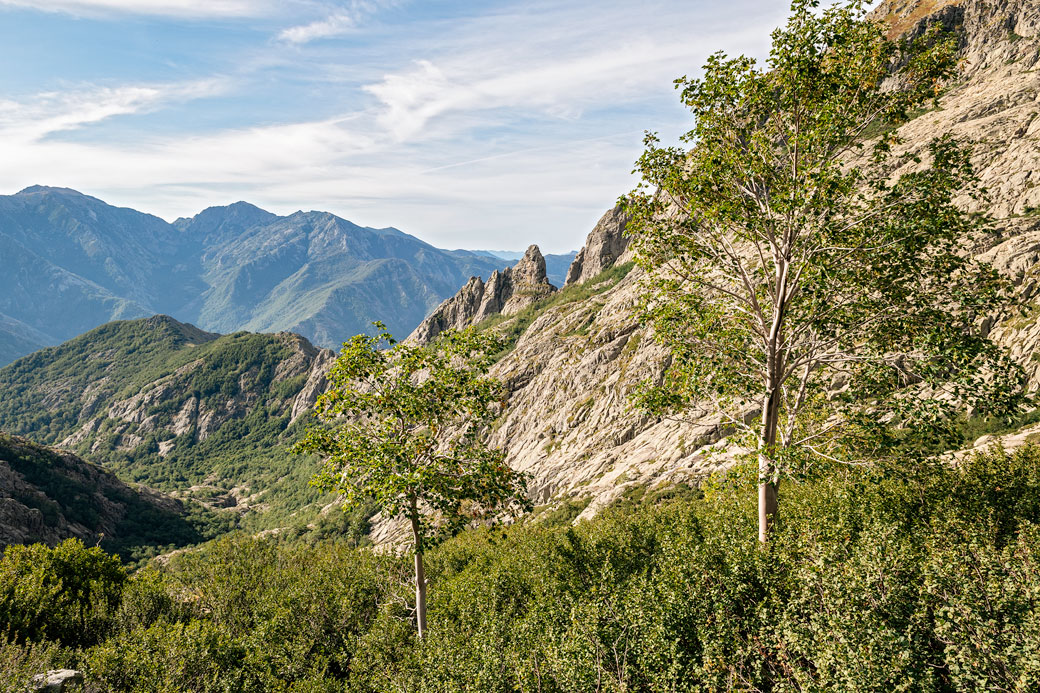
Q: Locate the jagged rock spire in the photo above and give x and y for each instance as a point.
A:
(605, 245)
(506, 291)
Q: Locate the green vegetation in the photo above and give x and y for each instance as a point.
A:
(67, 490)
(163, 370)
(783, 254)
(404, 428)
(919, 578)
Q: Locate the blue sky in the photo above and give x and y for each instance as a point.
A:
(469, 124)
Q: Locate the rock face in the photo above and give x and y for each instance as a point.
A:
(506, 291)
(529, 282)
(569, 423)
(605, 245)
(78, 499)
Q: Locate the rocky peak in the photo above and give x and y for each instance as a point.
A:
(529, 282)
(605, 244)
(506, 291)
(455, 313)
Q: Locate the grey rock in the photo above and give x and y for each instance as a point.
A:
(605, 245)
(506, 291)
(529, 282)
(57, 680)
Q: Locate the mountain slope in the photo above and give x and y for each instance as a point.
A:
(164, 403)
(73, 262)
(578, 356)
(327, 278)
(47, 495)
(18, 339)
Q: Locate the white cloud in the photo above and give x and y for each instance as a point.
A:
(333, 25)
(339, 21)
(52, 112)
(172, 8)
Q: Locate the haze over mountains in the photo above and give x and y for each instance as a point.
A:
(73, 262)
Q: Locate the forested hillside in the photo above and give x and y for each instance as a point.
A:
(168, 405)
(48, 495)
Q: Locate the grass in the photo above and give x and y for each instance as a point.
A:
(511, 327)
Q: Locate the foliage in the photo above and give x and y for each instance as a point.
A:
(790, 259)
(911, 577)
(67, 593)
(405, 428)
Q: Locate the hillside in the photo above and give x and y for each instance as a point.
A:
(48, 495)
(74, 262)
(577, 356)
(163, 403)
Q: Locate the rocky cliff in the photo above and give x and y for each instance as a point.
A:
(569, 423)
(605, 245)
(507, 292)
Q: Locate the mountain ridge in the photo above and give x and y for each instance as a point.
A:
(75, 262)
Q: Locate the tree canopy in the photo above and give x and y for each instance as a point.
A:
(405, 427)
(807, 268)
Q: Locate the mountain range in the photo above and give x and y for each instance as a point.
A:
(73, 262)
(208, 418)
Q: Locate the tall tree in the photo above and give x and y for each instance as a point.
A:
(794, 253)
(405, 425)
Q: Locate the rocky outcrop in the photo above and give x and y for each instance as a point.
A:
(569, 422)
(529, 282)
(604, 246)
(506, 291)
(58, 680)
(317, 381)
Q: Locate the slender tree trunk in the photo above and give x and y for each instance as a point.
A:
(767, 496)
(420, 572)
(775, 356)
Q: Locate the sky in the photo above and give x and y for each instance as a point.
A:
(491, 124)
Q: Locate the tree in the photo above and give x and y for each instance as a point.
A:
(804, 274)
(406, 427)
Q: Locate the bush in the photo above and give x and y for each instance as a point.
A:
(67, 594)
(921, 578)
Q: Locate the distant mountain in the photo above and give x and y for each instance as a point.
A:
(556, 265)
(18, 339)
(163, 403)
(73, 262)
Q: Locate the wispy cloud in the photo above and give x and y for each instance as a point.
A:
(170, 8)
(47, 113)
(339, 20)
(333, 25)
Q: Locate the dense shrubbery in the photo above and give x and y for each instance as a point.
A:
(920, 579)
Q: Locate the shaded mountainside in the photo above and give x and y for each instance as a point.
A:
(163, 403)
(73, 262)
(48, 495)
